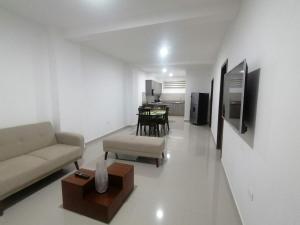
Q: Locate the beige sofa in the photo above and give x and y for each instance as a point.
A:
(31, 152)
(152, 147)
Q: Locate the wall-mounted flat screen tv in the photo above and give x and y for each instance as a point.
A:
(234, 96)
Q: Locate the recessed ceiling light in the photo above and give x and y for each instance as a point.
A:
(164, 52)
(164, 70)
(159, 214)
(171, 74)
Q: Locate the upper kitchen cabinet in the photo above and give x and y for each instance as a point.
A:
(153, 88)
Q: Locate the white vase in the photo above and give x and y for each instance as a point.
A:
(101, 176)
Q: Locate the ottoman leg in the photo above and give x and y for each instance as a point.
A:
(105, 157)
(157, 162)
(163, 155)
(137, 129)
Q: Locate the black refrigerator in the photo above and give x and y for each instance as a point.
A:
(199, 108)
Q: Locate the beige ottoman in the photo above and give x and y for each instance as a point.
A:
(135, 145)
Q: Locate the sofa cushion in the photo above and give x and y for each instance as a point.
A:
(18, 171)
(134, 143)
(21, 140)
(57, 155)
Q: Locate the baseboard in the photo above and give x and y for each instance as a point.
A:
(233, 196)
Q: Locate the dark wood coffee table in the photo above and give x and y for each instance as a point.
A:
(80, 196)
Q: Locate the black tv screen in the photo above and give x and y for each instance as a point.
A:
(234, 96)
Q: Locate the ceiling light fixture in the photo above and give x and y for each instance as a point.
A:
(171, 74)
(159, 214)
(164, 70)
(164, 52)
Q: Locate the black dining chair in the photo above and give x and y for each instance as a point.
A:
(144, 121)
(164, 121)
(138, 123)
(141, 111)
(167, 118)
(150, 121)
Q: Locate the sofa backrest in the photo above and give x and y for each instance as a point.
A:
(21, 140)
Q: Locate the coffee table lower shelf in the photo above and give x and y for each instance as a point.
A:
(80, 196)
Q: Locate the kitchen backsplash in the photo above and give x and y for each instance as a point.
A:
(165, 97)
(172, 97)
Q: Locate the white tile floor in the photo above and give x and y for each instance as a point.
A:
(190, 188)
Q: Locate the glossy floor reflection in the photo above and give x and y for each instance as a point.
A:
(189, 188)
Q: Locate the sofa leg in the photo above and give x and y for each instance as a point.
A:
(76, 165)
(106, 154)
(157, 162)
(1, 208)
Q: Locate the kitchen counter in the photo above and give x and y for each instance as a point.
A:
(166, 102)
(176, 108)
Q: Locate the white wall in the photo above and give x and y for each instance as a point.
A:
(24, 72)
(67, 84)
(267, 34)
(92, 90)
(104, 98)
(197, 80)
(44, 77)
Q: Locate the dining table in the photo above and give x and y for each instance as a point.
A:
(154, 114)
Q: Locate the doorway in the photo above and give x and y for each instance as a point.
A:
(220, 113)
(211, 100)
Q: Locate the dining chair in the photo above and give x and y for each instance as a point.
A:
(167, 118)
(164, 121)
(146, 120)
(138, 123)
(142, 111)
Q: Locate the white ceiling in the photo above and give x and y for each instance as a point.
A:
(190, 41)
(134, 30)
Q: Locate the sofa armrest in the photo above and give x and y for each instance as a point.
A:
(70, 139)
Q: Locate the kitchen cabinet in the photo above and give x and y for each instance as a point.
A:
(153, 88)
(176, 108)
